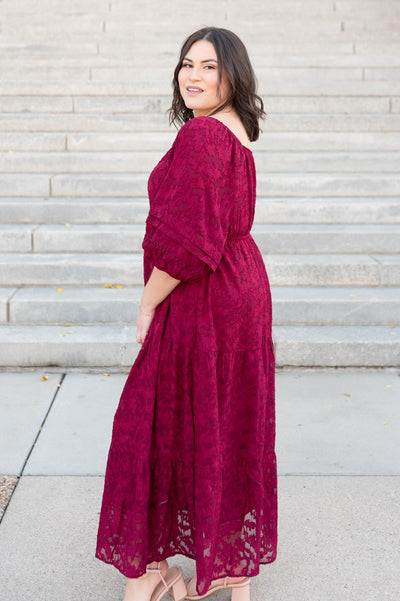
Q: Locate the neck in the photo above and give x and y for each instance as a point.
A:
(226, 109)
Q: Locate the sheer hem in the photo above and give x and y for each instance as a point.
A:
(140, 527)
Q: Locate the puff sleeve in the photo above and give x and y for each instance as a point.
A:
(187, 225)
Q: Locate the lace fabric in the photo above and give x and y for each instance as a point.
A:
(191, 467)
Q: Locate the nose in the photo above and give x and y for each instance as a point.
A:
(194, 74)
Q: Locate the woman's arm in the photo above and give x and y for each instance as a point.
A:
(159, 285)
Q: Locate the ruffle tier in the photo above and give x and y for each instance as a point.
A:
(152, 516)
(191, 466)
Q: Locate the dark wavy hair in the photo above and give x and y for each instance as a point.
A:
(233, 59)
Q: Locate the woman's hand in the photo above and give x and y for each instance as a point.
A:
(143, 324)
(159, 285)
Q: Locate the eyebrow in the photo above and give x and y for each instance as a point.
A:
(209, 60)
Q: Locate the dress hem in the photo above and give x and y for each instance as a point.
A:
(250, 574)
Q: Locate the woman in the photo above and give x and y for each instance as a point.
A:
(192, 467)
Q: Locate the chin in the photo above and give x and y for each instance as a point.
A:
(191, 103)
(194, 108)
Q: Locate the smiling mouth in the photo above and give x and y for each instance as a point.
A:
(192, 90)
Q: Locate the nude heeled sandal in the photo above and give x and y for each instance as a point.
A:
(171, 583)
(240, 590)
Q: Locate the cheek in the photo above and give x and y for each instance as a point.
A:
(224, 88)
(181, 77)
(213, 80)
(213, 85)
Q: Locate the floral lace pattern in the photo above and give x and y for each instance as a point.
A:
(191, 467)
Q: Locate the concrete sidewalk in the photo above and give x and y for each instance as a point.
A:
(339, 486)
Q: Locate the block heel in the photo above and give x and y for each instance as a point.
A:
(178, 592)
(240, 590)
(172, 583)
(241, 593)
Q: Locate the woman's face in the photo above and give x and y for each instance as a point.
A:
(198, 79)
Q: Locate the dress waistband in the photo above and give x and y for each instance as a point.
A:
(239, 237)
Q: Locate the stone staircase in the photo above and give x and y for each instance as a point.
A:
(83, 98)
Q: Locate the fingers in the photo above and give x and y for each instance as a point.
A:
(142, 326)
(141, 335)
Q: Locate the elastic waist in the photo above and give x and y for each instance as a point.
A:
(239, 237)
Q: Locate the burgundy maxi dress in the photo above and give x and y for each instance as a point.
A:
(192, 468)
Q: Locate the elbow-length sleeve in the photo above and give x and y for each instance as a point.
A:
(187, 225)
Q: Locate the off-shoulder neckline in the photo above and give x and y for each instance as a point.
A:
(227, 128)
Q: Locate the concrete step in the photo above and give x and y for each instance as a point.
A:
(58, 269)
(139, 162)
(333, 270)
(329, 211)
(372, 25)
(24, 184)
(38, 142)
(312, 74)
(80, 210)
(312, 185)
(274, 104)
(368, 39)
(273, 141)
(328, 141)
(327, 12)
(395, 105)
(328, 21)
(159, 142)
(18, 269)
(271, 185)
(82, 305)
(367, 47)
(325, 185)
(381, 74)
(282, 239)
(169, 48)
(299, 306)
(147, 57)
(48, 72)
(104, 26)
(275, 88)
(16, 238)
(5, 298)
(159, 104)
(372, 10)
(291, 305)
(325, 239)
(116, 29)
(115, 345)
(268, 210)
(337, 346)
(152, 128)
(108, 238)
(115, 8)
(386, 9)
(379, 8)
(48, 5)
(20, 49)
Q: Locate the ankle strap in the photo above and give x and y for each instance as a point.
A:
(158, 569)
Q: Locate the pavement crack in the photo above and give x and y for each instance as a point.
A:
(43, 422)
